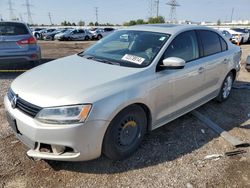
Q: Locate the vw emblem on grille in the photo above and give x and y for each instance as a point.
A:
(14, 101)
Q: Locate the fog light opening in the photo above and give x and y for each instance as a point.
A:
(58, 150)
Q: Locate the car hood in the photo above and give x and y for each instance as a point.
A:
(70, 80)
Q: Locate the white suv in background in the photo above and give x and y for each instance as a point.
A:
(99, 33)
(239, 35)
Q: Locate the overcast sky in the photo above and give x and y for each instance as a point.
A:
(119, 11)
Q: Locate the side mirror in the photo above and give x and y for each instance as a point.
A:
(173, 63)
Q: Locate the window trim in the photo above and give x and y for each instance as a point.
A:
(222, 39)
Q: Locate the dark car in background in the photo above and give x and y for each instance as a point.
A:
(17, 44)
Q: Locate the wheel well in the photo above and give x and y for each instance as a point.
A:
(234, 73)
(148, 114)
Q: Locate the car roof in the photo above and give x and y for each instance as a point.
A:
(166, 28)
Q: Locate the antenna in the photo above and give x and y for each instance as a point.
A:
(12, 15)
(173, 15)
(157, 2)
(28, 5)
(50, 18)
(96, 14)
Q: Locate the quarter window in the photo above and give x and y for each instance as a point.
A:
(211, 42)
(184, 46)
(223, 44)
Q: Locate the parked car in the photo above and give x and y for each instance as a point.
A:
(226, 34)
(74, 34)
(105, 99)
(39, 34)
(51, 35)
(35, 32)
(239, 35)
(17, 44)
(99, 33)
(248, 64)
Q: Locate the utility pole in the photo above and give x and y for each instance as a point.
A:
(1, 18)
(11, 11)
(157, 2)
(50, 18)
(96, 14)
(232, 14)
(173, 15)
(21, 17)
(28, 5)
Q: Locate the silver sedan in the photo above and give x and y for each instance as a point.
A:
(106, 98)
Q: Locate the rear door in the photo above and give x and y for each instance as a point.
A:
(215, 57)
(10, 35)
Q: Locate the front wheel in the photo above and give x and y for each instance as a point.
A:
(125, 133)
(226, 88)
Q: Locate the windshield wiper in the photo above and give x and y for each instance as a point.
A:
(102, 60)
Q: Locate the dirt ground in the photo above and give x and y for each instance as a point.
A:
(171, 156)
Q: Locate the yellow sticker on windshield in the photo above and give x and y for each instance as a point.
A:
(133, 59)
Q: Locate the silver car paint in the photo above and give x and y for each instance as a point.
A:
(167, 94)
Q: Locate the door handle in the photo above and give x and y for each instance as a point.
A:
(201, 70)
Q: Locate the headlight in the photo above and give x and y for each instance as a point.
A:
(64, 114)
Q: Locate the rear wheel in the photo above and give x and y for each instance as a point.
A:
(125, 133)
(99, 37)
(226, 88)
(87, 38)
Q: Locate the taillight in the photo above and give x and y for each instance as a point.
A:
(28, 41)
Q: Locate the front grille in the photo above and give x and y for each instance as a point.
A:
(24, 106)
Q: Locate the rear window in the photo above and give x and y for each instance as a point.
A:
(13, 29)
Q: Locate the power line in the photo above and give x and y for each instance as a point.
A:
(96, 14)
(11, 10)
(28, 5)
(173, 15)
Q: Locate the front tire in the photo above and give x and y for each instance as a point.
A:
(125, 133)
(226, 88)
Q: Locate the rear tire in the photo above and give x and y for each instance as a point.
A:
(87, 38)
(99, 37)
(125, 133)
(226, 88)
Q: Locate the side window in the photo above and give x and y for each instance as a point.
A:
(184, 46)
(210, 41)
(223, 44)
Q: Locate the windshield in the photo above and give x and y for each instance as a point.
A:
(127, 48)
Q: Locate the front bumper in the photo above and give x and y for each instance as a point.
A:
(85, 140)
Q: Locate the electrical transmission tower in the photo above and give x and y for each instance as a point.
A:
(173, 15)
(96, 15)
(50, 18)
(151, 8)
(28, 5)
(12, 15)
(157, 2)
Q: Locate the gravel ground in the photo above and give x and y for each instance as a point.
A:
(171, 156)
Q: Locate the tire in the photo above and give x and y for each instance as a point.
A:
(37, 36)
(226, 88)
(87, 38)
(242, 41)
(125, 133)
(99, 37)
